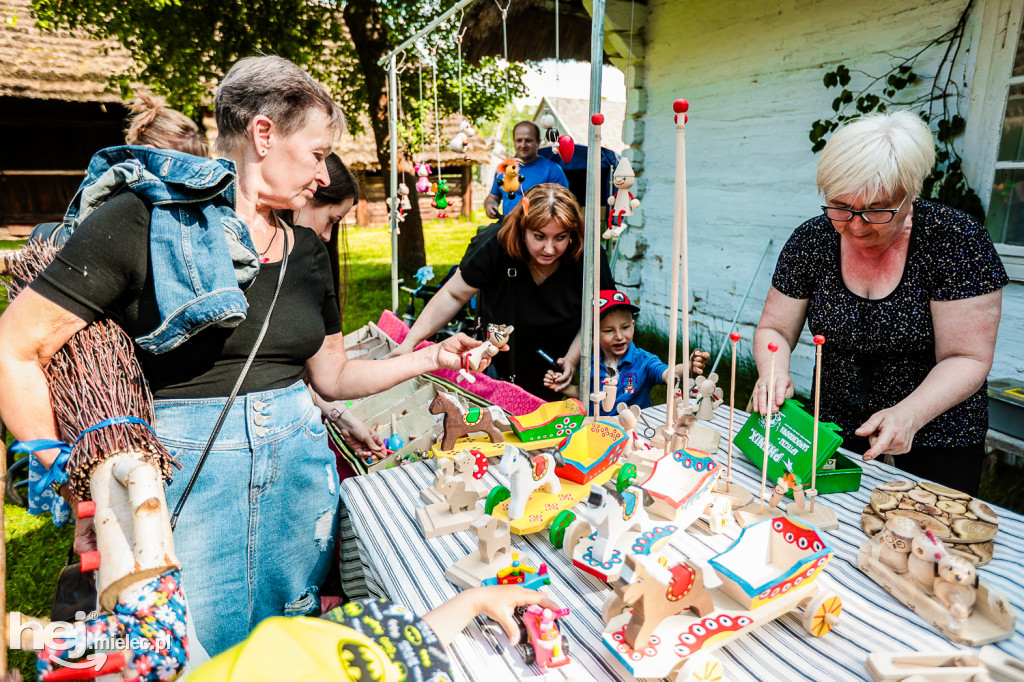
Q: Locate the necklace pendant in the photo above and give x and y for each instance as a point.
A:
(264, 260)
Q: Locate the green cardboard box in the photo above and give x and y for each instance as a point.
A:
(790, 447)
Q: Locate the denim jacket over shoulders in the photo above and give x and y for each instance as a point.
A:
(201, 253)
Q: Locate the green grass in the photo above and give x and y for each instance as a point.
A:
(369, 250)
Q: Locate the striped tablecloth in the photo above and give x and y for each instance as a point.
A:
(400, 564)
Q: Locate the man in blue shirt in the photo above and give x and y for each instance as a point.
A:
(534, 169)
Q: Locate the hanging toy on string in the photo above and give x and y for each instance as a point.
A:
(423, 171)
(460, 142)
(403, 201)
(624, 202)
(510, 178)
(441, 197)
(565, 147)
(549, 133)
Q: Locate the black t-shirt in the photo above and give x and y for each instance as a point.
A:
(878, 351)
(546, 316)
(105, 270)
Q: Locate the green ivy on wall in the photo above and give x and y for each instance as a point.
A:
(938, 105)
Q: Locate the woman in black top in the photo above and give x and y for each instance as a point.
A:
(255, 534)
(529, 274)
(907, 295)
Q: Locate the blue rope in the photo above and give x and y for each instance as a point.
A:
(114, 421)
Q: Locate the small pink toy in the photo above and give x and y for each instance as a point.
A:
(539, 629)
(423, 171)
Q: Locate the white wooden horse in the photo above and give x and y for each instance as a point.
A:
(614, 514)
(526, 474)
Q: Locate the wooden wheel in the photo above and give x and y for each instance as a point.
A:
(497, 495)
(701, 667)
(576, 531)
(556, 533)
(626, 477)
(613, 606)
(822, 613)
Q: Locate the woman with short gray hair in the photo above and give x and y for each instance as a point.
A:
(190, 271)
(907, 294)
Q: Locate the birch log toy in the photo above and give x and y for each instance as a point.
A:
(942, 588)
(821, 516)
(497, 338)
(679, 272)
(738, 496)
(749, 514)
(102, 405)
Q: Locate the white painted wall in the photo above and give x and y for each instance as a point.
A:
(752, 71)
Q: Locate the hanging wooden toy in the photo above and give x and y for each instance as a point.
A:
(460, 142)
(423, 173)
(549, 133)
(821, 516)
(511, 179)
(440, 200)
(623, 202)
(566, 147)
(404, 206)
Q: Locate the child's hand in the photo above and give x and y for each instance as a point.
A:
(560, 380)
(698, 361)
(498, 602)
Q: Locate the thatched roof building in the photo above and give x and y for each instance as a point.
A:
(531, 30)
(55, 111)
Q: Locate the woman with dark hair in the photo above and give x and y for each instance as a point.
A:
(202, 253)
(529, 274)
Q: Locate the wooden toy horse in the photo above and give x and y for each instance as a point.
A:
(526, 474)
(459, 421)
(657, 591)
(613, 514)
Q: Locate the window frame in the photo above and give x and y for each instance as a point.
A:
(996, 35)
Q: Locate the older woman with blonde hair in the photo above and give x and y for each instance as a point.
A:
(906, 292)
(529, 273)
(202, 253)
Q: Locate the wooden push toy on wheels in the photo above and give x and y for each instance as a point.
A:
(638, 519)
(769, 571)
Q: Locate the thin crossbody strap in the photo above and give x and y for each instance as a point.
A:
(234, 391)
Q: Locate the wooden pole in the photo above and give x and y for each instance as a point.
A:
(680, 106)
(597, 392)
(819, 340)
(734, 337)
(772, 347)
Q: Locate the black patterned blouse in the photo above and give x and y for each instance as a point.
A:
(877, 351)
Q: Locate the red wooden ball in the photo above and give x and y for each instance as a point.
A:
(680, 106)
(773, 347)
(734, 337)
(597, 119)
(819, 339)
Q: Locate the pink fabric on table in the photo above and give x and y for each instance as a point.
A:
(508, 396)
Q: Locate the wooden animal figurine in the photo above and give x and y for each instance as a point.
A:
(613, 514)
(404, 206)
(459, 421)
(441, 194)
(658, 591)
(681, 432)
(623, 202)
(497, 338)
(956, 585)
(786, 483)
(468, 465)
(896, 539)
(461, 139)
(549, 133)
(493, 551)
(455, 512)
(511, 179)
(926, 550)
(609, 388)
(710, 396)
(526, 474)
(423, 183)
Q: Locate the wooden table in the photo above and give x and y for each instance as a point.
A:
(403, 566)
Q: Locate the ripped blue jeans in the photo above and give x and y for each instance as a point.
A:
(256, 533)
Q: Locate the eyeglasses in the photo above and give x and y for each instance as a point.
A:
(875, 216)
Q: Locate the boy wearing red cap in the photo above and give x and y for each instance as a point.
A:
(632, 370)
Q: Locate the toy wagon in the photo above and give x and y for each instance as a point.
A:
(640, 519)
(550, 420)
(769, 571)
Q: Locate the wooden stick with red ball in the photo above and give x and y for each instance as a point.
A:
(819, 341)
(770, 403)
(734, 337)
